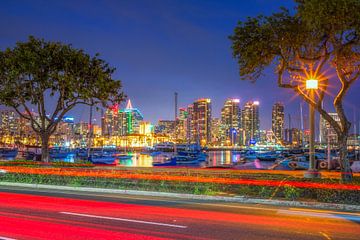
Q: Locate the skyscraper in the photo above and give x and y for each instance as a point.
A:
(250, 122)
(230, 121)
(110, 122)
(327, 133)
(278, 120)
(181, 125)
(166, 127)
(201, 121)
(190, 129)
(129, 120)
(216, 131)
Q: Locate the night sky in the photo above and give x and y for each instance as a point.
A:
(160, 47)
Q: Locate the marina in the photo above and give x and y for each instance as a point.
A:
(296, 159)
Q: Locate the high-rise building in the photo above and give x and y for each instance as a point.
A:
(293, 136)
(278, 120)
(190, 129)
(250, 122)
(129, 120)
(166, 128)
(216, 131)
(230, 121)
(181, 126)
(121, 122)
(8, 122)
(201, 121)
(327, 133)
(110, 122)
(65, 130)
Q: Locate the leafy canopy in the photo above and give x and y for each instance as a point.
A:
(318, 35)
(34, 70)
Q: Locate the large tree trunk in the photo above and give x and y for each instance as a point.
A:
(346, 173)
(45, 147)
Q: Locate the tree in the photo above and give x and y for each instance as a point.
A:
(320, 36)
(36, 71)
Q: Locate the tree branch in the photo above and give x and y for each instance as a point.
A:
(319, 108)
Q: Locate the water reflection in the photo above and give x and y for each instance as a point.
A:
(214, 159)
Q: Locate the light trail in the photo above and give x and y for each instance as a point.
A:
(124, 220)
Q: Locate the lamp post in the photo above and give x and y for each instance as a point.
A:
(312, 172)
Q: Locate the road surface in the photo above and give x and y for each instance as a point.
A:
(49, 214)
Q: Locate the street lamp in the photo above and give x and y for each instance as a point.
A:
(312, 172)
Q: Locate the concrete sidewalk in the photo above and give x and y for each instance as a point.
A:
(235, 199)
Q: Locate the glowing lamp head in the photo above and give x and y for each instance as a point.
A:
(256, 103)
(312, 84)
(235, 100)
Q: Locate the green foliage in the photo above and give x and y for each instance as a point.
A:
(304, 44)
(36, 70)
(293, 40)
(286, 192)
(291, 193)
(266, 192)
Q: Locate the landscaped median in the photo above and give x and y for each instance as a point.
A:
(289, 185)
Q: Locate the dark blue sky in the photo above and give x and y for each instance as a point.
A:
(159, 47)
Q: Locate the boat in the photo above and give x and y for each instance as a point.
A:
(188, 160)
(167, 163)
(101, 159)
(8, 153)
(249, 155)
(295, 162)
(269, 156)
(182, 160)
(164, 147)
(201, 156)
(59, 153)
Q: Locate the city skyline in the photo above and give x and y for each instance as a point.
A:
(186, 51)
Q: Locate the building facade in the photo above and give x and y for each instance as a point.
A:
(230, 122)
(166, 128)
(327, 133)
(250, 122)
(277, 122)
(201, 122)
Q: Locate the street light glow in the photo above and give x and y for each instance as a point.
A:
(312, 84)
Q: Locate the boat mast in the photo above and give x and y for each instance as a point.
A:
(302, 125)
(90, 131)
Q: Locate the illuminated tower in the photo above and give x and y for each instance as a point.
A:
(230, 120)
(201, 121)
(129, 120)
(250, 122)
(277, 122)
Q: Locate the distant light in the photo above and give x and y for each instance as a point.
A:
(208, 100)
(312, 84)
(256, 103)
(236, 100)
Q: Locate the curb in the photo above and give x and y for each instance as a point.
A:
(235, 199)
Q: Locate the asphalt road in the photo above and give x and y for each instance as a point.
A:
(50, 214)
